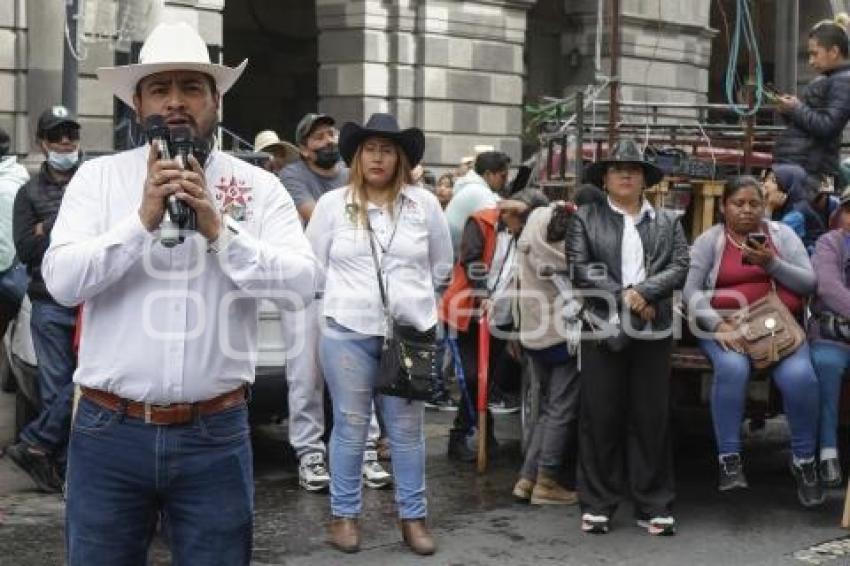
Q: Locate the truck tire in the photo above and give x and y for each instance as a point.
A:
(529, 404)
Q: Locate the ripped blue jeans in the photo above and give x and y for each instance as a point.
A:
(350, 364)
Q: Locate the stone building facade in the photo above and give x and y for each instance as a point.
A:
(461, 70)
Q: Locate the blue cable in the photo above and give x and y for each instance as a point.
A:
(744, 26)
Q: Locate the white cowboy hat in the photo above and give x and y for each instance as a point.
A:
(169, 47)
(269, 142)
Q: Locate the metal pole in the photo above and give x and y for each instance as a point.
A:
(70, 65)
(614, 48)
(786, 45)
(579, 159)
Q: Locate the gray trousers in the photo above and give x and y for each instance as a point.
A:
(306, 384)
(557, 423)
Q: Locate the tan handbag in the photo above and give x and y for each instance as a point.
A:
(770, 331)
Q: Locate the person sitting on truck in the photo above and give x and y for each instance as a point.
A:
(785, 191)
(816, 120)
(628, 257)
(731, 268)
(829, 332)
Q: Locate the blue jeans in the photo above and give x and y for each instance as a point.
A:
(52, 327)
(795, 378)
(831, 360)
(123, 474)
(350, 362)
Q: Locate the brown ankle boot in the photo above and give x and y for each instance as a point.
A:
(344, 534)
(415, 533)
(548, 492)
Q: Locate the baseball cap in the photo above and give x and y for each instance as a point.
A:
(55, 116)
(308, 122)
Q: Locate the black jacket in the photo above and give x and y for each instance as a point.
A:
(594, 252)
(37, 201)
(812, 138)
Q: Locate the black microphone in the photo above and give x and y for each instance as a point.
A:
(182, 146)
(159, 134)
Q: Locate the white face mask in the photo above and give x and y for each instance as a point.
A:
(63, 161)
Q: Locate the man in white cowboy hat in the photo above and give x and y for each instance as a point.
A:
(169, 334)
(281, 153)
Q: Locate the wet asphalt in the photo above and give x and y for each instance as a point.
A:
(476, 522)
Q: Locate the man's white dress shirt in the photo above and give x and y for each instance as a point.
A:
(418, 258)
(164, 325)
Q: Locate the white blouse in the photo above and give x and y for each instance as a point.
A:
(417, 259)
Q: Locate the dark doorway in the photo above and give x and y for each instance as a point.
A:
(280, 84)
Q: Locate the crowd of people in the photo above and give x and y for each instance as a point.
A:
(363, 249)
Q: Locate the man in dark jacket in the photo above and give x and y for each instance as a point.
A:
(40, 451)
(816, 121)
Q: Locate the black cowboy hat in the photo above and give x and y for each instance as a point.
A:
(411, 140)
(624, 151)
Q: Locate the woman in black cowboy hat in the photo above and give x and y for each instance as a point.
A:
(378, 211)
(628, 258)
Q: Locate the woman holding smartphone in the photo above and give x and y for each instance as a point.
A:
(734, 264)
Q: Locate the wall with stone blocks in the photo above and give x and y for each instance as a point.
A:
(31, 46)
(665, 51)
(13, 52)
(453, 68)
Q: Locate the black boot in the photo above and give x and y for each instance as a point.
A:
(459, 446)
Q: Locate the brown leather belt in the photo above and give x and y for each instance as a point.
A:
(177, 413)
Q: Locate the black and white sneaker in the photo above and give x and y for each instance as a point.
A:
(809, 490)
(830, 472)
(313, 472)
(502, 403)
(594, 524)
(374, 474)
(731, 473)
(37, 466)
(658, 526)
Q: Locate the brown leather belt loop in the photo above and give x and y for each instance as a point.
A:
(177, 413)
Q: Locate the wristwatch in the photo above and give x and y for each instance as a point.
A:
(229, 230)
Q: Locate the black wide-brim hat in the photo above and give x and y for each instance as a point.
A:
(624, 151)
(411, 140)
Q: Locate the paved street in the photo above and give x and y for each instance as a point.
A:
(475, 520)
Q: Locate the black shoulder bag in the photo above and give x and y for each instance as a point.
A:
(409, 356)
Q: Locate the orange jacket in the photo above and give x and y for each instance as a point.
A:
(458, 302)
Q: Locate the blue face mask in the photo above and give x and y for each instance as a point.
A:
(63, 161)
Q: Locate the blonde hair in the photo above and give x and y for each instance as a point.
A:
(843, 19)
(357, 182)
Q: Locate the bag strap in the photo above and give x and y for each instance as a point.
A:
(377, 264)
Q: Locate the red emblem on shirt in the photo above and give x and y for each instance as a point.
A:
(234, 198)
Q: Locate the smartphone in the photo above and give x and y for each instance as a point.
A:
(756, 239)
(770, 93)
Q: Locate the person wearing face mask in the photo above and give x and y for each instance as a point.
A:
(40, 451)
(319, 170)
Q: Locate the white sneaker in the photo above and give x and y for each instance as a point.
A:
(374, 474)
(313, 473)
